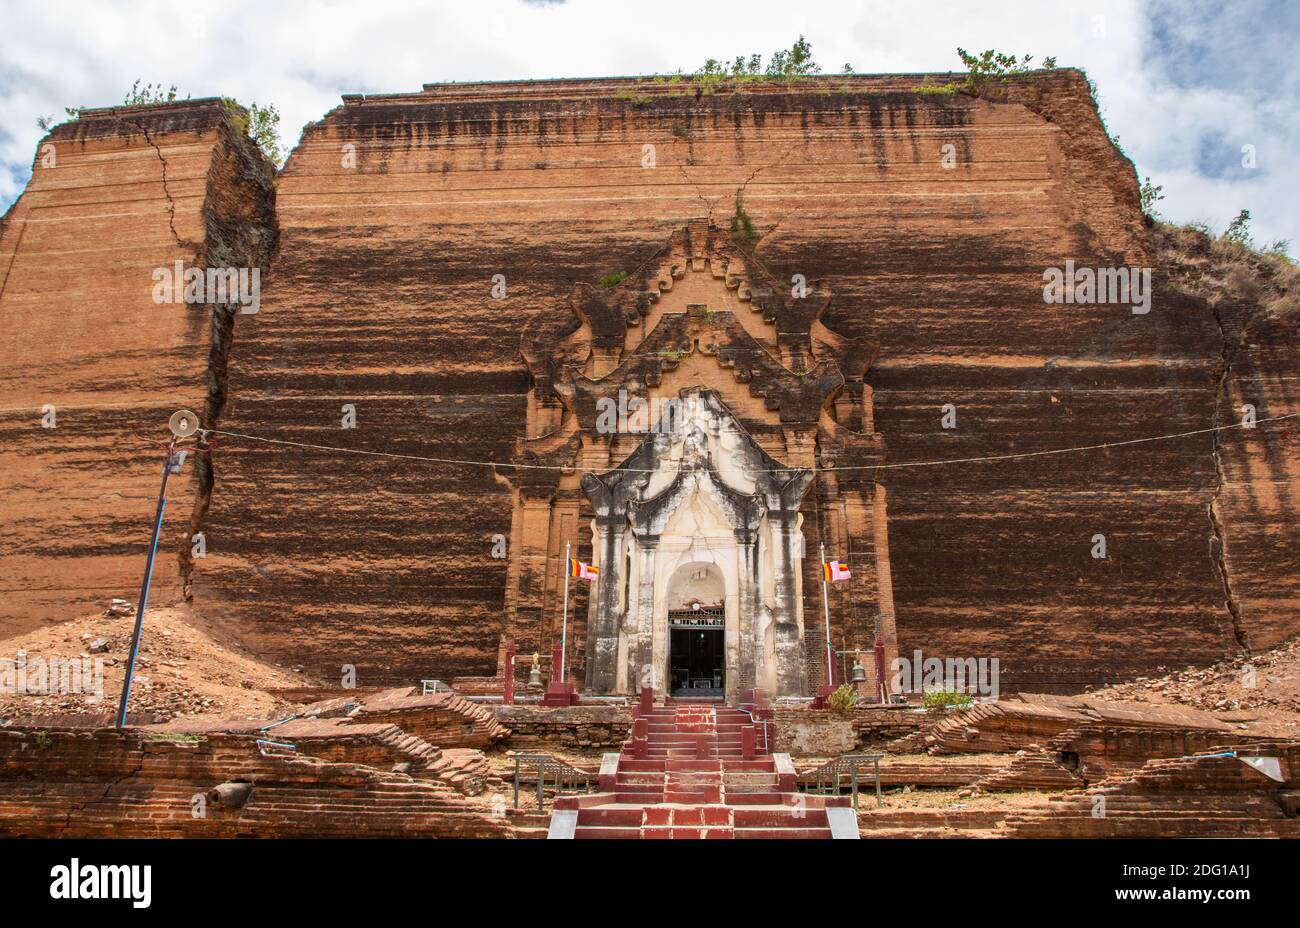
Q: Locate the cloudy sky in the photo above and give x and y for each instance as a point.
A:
(1184, 84)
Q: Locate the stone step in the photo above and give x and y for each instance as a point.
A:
(764, 764)
(693, 766)
(687, 833)
(787, 833)
(697, 815)
(638, 765)
(762, 798)
(693, 796)
(604, 816)
(618, 834)
(780, 817)
(623, 787)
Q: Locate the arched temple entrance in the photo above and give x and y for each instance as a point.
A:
(697, 631)
(699, 515)
(689, 415)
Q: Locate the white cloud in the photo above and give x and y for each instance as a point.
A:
(303, 56)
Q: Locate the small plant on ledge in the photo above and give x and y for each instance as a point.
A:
(743, 232)
(843, 699)
(610, 281)
(946, 699)
(980, 69)
(638, 100)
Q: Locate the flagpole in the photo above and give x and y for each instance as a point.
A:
(564, 622)
(826, 606)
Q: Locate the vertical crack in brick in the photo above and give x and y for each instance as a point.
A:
(171, 203)
(240, 230)
(1218, 536)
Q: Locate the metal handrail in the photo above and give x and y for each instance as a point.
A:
(830, 772)
(544, 763)
(755, 722)
(263, 745)
(267, 728)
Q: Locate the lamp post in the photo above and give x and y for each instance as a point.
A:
(183, 424)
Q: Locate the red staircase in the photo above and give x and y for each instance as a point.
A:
(699, 769)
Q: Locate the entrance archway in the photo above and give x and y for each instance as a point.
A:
(697, 620)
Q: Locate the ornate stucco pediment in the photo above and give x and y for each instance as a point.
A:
(699, 314)
(698, 447)
(682, 415)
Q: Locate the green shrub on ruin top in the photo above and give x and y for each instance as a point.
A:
(1238, 231)
(149, 95)
(988, 65)
(138, 95)
(610, 281)
(993, 65)
(944, 699)
(785, 65)
(843, 699)
(1150, 194)
(259, 123)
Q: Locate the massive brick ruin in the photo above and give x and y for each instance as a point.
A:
(381, 241)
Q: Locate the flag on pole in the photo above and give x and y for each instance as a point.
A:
(835, 570)
(582, 571)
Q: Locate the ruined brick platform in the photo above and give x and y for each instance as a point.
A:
(137, 783)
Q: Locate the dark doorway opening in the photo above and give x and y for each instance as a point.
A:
(697, 661)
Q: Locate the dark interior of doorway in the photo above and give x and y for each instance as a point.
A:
(696, 662)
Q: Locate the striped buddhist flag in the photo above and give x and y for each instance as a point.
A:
(835, 570)
(582, 571)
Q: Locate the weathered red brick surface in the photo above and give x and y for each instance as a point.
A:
(393, 216)
(139, 784)
(382, 298)
(114, 195)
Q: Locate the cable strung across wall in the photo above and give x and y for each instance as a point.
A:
(903, 464)
(552, 467)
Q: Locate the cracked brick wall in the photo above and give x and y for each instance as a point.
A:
(114, 195)
(395, 212)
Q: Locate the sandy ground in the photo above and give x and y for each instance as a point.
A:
(187, 668)
(183, 669)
